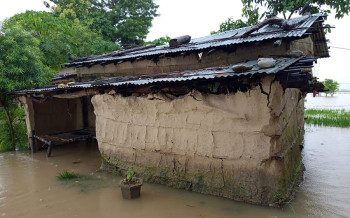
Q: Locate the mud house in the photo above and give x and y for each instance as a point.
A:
(221, 115)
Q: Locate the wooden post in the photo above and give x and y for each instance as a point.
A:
(32, 141)
(49, 148)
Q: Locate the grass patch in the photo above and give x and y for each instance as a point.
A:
(68, 175)
(81, 182)
(325, 117)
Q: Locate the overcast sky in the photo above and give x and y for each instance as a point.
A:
(197, 18)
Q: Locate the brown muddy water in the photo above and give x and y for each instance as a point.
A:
(29, 187)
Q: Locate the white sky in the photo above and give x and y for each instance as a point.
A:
(198, 17)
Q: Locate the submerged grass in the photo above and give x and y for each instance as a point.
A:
(81, 182)
(326, 117)
(65, 175)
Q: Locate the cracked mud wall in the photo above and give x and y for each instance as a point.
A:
(224, 145)
(287, 132)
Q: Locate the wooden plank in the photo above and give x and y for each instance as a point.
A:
(42, 140)
(78, 94)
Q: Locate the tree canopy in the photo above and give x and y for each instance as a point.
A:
(21, 61)
(33, 45)
(21, 67)
(331, 85)
(287, 8)
(60, 39)
(251, 17)
(341, 7)
(122, 21)
(160, 41)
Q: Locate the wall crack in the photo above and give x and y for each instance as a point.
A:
(194, 97)
(265, 93)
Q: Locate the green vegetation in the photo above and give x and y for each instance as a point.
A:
(65, 175)
(161, 41)
(60, 39)
(339, 118)
(291, 207)
(278, 197)
(33, 45)
(129, 177)
(21, 67)
(251, 17)
(340, 7)
(121, 21)
(286, 8)
(331, 85)
(83, 183)
(17, 114)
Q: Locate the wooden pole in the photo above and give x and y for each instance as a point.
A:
(32, 141)
(49, 148)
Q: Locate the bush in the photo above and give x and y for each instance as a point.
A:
(17, 112)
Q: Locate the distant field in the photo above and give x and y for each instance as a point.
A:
(326, 117)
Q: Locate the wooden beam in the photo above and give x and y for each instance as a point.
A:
(78, 94)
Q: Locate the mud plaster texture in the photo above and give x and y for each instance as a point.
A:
(243, 146)
(191, 61)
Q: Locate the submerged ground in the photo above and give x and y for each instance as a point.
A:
(29, 187)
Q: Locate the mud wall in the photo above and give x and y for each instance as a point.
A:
(236, 145)
(192, 61)
(89, 117)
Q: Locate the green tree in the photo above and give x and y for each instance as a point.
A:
(251, 15)
(160, 41)
(16, 112)
(285, 7)
(341, 7)
(32, 46)
(60, 39)
(122, 21)
(21, 67)
(331, 85)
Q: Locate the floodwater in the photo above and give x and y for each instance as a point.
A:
(337, 101)
(325, 191)
(29, 187)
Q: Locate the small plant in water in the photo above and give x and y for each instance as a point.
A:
(278, 197)
(65, 175)
(129, 177)
(130, 185)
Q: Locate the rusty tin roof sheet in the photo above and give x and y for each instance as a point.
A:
(180, 76)
(232, 37)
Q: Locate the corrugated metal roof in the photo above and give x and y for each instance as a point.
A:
(64, 76)
(207, 74)
(212, 41)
